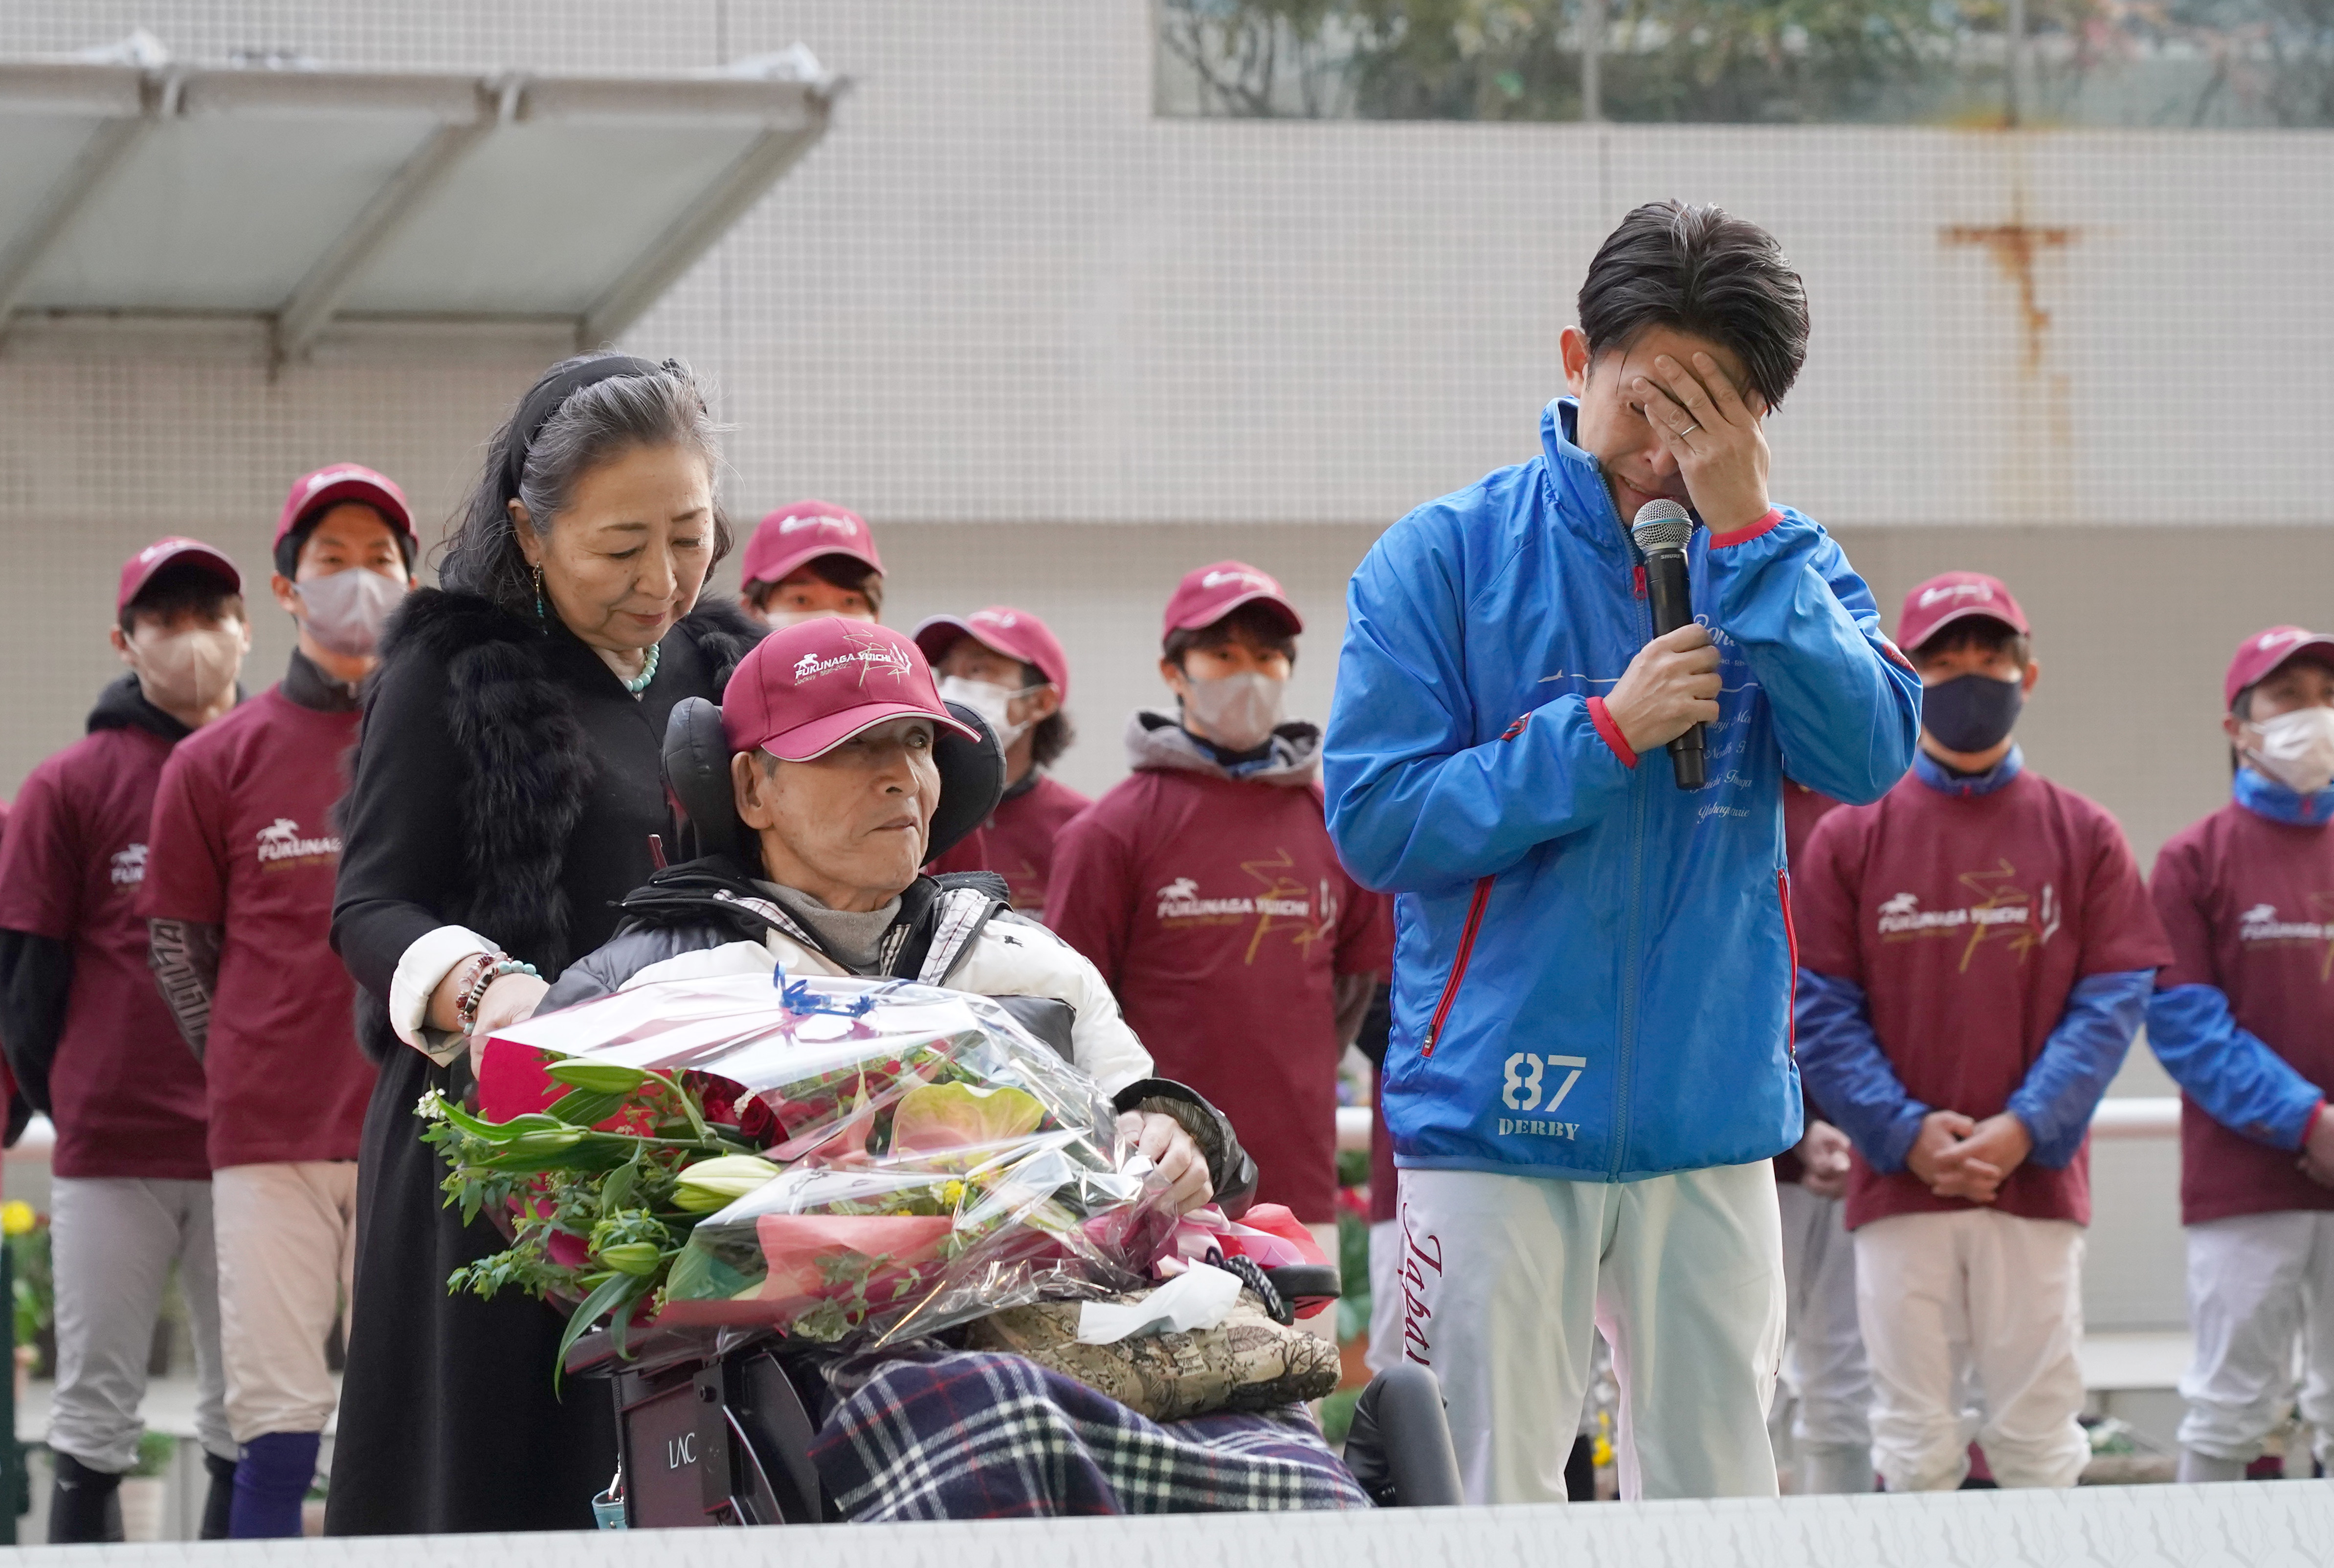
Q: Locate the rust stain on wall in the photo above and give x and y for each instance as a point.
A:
(2014, 246)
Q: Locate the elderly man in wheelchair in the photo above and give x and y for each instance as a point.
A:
(831, 773)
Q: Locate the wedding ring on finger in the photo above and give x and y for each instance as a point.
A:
(1689, 430)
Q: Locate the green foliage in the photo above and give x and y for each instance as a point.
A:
(2155, 62)
(564, 1180)
(155, 1452)
(1354, 1275)
(33, 1282)
(1337, 1414)
(1352, 1167)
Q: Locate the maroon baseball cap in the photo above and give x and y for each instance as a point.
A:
(793, 537)
(312, 493)
(1951, 596)
(1209, 594)
(807, 688)
(140, 569)
(2259, 656)
(1015, 633)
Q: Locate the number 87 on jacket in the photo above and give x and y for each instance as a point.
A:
(1527, 1079)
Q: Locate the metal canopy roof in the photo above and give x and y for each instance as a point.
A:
(302, 196)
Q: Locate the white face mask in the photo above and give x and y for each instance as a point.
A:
(1239, 712)
(991, 702)
(779, 619)
(346, 610)
(188, 671)
(2296, 748)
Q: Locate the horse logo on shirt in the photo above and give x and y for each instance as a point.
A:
(2260, 927)
(281, 848)
(1998, 905)
(1282, 905)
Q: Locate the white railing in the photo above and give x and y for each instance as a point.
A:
(2133, 1117)
(2124, 1117)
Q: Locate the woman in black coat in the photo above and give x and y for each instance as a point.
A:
(509, 789)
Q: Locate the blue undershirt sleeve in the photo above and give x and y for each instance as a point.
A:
(1848, 1074)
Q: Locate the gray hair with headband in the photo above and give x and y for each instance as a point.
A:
(583, 412)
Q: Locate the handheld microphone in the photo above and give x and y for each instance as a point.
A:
(1661, 531)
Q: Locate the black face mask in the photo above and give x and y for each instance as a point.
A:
(1971, 713)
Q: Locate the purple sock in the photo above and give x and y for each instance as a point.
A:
(271, 1481)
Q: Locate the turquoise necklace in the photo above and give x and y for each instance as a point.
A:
(640, 683)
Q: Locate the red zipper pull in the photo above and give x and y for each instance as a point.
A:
(1641, 581)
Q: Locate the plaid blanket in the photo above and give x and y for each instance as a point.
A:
(975, 1435)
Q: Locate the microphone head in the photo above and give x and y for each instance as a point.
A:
(1662, 525)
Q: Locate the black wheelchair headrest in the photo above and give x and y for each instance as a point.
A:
(697, 775)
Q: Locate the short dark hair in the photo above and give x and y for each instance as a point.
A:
(288, 548)
(847, 573)
(1258, 620)
(1699, 270)
(1052, 734)
(1980, 632)
(178, 589)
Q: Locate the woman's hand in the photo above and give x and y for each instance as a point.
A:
(1170, 1148)
(510, 999)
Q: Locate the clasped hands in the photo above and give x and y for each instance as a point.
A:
(1957, 1155)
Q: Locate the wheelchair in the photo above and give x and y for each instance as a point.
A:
(715, 1424)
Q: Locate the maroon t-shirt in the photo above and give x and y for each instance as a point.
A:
(243, 840)
(1017, 842)
(2249, 906)
(125, 1092)
(1803, 808)
(1967, 921)
(1216, 910)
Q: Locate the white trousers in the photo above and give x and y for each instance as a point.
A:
(286, 1259)
(1974, 1297)
(1503, 1279)
(2256, 1283)
(1823, 1365)
(114, 1241)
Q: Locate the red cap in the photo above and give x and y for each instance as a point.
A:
(793, 537)
(1015, 633)
(1209, 594)
(312, 493)
(1954, 596)
(140, 569)
(807, 689)
(2259, 656)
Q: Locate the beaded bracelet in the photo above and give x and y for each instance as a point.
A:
(472, 967)
(491, 967)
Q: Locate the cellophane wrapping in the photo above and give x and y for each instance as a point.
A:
(937, 1162)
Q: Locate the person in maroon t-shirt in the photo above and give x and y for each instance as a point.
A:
(1006, 665)
(92, 1044)
(2243, 1020)
(1206, 890)
(1975, 952)
(239, 899)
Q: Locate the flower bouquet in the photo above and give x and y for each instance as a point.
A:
(832, 1157)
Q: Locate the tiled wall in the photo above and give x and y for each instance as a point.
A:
(1003, 309)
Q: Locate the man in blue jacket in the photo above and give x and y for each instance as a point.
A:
(1591, 1063)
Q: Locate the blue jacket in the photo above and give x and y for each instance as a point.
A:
(1593, 967)
(1849, 1077)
